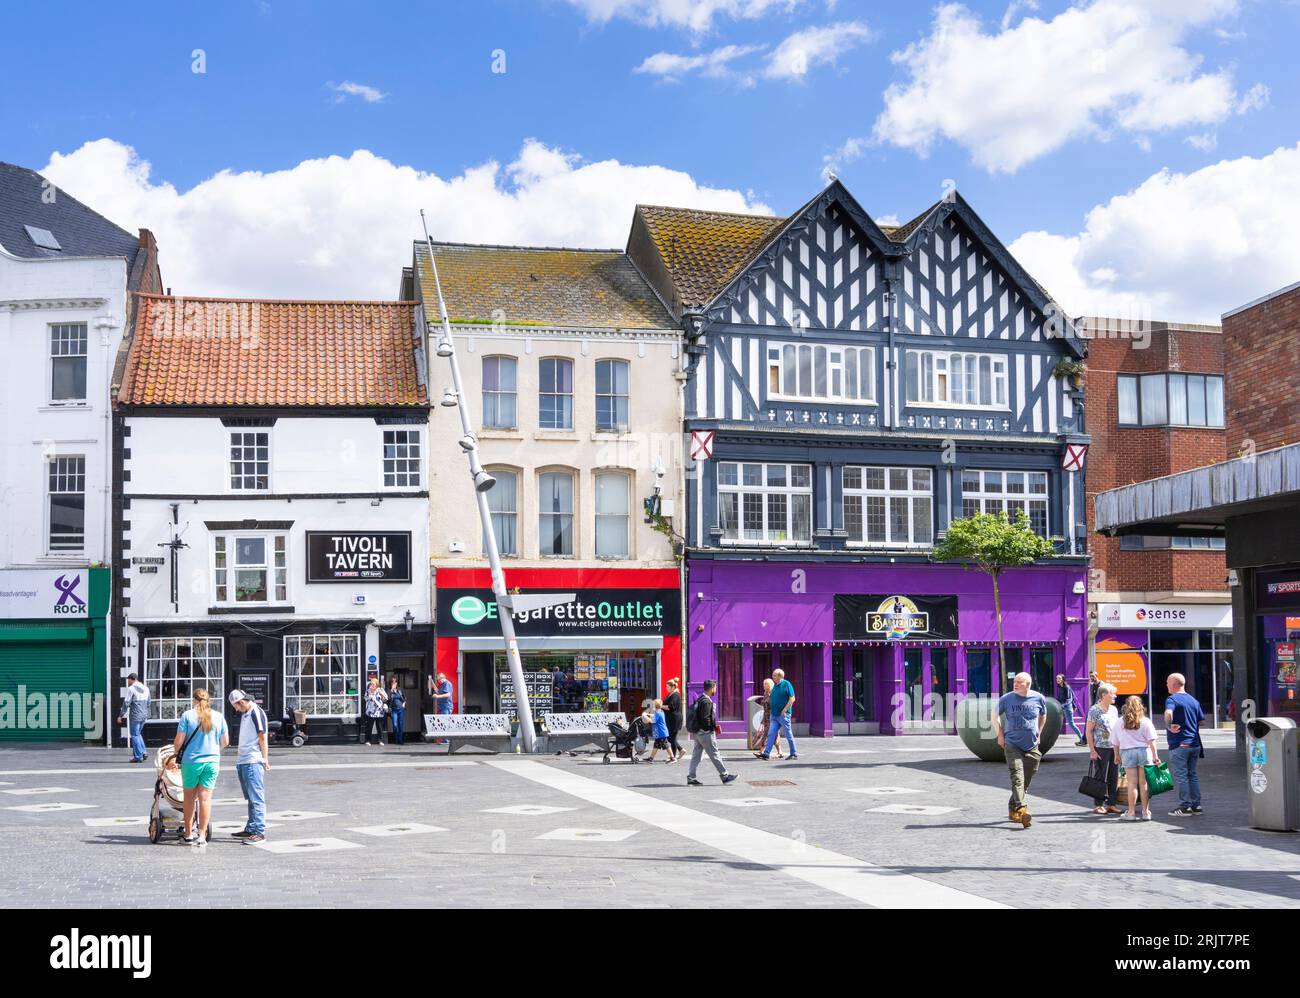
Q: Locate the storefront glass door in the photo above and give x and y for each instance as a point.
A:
(853, 691)
(979, 672)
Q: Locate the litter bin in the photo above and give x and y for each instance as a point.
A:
(1272, 774)
(753, 714)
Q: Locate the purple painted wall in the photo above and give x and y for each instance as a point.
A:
(751, 603)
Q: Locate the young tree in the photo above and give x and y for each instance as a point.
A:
(992, 542)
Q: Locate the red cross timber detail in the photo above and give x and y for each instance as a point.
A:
(1072, 459)
(701, 445)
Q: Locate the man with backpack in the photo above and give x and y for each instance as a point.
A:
(702, 725)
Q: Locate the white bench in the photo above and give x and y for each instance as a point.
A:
(493, 732)
(567, 732)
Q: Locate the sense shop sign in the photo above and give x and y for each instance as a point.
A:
(358, 556)
(468, 612)
(895, 617)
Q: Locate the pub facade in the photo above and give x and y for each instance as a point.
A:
(275, 506)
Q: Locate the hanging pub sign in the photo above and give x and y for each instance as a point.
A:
(358, 556)
(895, 618)
(469, 612)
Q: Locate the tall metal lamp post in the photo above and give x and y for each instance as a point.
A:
(482, 483)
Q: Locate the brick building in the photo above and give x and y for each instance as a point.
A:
(1251, 500)
(1157, 604)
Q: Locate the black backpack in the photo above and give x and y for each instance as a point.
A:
(693, 725)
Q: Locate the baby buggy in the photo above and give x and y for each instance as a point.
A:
(623, 739)
(168, 811)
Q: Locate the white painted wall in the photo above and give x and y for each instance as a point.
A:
(654, 432)
(34, 294)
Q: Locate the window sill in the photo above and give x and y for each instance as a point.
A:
(738, 543)
(65, 407)
(849, 403)
(957, 407)
(500, 433)
(864, 546)
(564, 435)
(62, 558)
(610, 434)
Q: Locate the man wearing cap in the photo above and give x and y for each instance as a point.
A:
(135, 704)
(251, 765)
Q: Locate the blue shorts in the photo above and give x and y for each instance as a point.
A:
(1134, 758)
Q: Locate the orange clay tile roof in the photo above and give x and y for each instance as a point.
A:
(241, 352)
(527, 286)
(704, 250)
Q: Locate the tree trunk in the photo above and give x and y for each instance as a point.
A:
(997, 614)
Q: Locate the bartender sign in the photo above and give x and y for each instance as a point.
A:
(358, 556)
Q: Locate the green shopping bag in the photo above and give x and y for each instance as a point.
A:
(1159, 779)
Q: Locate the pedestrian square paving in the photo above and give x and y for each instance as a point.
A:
(911, 821)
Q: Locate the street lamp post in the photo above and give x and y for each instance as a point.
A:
(482, 483)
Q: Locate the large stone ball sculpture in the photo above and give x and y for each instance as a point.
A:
(975, 727)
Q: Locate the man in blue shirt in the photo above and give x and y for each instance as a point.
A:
(780, 709)
(1183, 716)
(1025, 711)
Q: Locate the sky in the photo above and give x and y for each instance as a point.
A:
(1141, 158)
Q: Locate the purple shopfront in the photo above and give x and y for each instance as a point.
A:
(878, 648)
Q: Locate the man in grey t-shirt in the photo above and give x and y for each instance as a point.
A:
(1026, 713)
(251, 765)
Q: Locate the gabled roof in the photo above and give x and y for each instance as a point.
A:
(538, 286)
(703, 250)
(246, 352)
(79, 231)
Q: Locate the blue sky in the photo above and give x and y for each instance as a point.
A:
(990, 96)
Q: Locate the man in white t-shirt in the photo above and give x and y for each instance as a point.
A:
(251, 765)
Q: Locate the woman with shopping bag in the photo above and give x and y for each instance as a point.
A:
(1102, 778)
(1135, 748)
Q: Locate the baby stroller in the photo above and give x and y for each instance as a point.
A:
(623, 739)
(168, 799)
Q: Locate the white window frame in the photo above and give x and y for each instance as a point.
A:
(908, 496)
(937, 388)
(165, 708)
(836, 361)
(241, 431)
(618, 427)
(625, 516)
(49, 467)
(338, 704)
(572, 514)
(498, 393)
(764, 494)
(277, 575)
(517, 477)
(573, 386)
(1004, 496)
(52, 329)
(402, 462)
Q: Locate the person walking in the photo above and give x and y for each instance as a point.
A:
(659, 732)
(780, 710)
(1102, 720)
(702, 725)
(1094, 686)
(1026, 713)
(252, 764)
(396, 712)
(376, 709)
(1183, 717)
(673, 710)
(200, 737)
(1135, 749)
(135, 704)
(1066, 698)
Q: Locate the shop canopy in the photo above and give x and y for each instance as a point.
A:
(1200, 502)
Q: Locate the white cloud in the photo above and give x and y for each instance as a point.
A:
(814, 47)
(341, 227)
(1181, 247)
(850, 149)
(696, 15)
(347, 88)
(1019, 92)
(1205, 141)
(717, 64)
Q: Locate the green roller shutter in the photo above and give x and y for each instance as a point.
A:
(47, 677)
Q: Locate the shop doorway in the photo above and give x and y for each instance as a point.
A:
(408, 670)
(979, 672)
(855, 677)
(791, 662)
(927, 683)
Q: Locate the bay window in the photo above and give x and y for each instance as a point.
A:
(1171, 399)
(765, 503)
(965, 379)
(818, 372)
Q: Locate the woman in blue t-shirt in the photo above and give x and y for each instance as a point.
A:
(200, 737)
